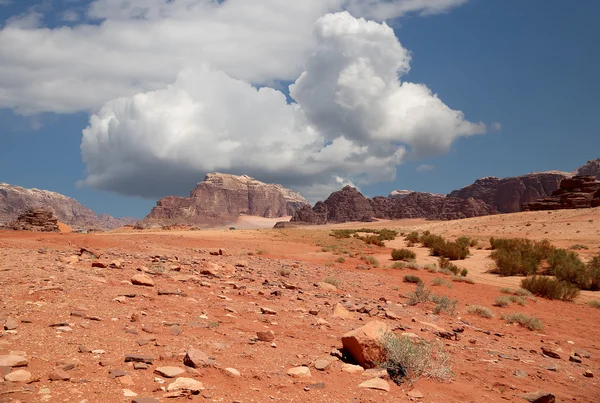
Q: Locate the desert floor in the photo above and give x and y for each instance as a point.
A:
(62, 305)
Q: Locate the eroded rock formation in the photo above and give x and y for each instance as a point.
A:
(221, 198)
(37, 219)
(576, 192)
(15, 200)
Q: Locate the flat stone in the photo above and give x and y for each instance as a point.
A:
(10, 324)
(538, 397)
(415, 393)
(232, 372)
(129, 393)
(375, 383)
(321, 364)
(582, 354)
(169, 372)
(145, 400)
(13, 360)
(574, 358)
(299, 372)
(140, 365)
(340, 312)
(375, 373)
(19, 375)
(117, 373)
(352, 369)
(519, 373)
(143, 280)
(550, 352)
(185, 384)
(84, 349)
(139, 358)
(365, 344)
(126, 380)
(588, 374)
(327, 286)
(59, 375)
(268, 311)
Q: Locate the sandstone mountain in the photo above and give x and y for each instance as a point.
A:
(16, 200)
(221, 198)
(591, 168)
(507, 195)
(36, 219)
(349, 204)
(576, 192)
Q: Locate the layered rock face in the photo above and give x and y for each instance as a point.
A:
(591, 168)
(576, 192)
(15, 200)
(507, 195)
(38, 219)
(349, 204)
(221, 198)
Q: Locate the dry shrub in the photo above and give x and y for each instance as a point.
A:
(551, 288)
(525, 321)
(403, 254)
(482, 311)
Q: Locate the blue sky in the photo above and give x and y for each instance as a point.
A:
(531, 65)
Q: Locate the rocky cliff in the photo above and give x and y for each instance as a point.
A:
(576, 192)
(15, 200)
(349, 204)
(591, 168)
(37, 219)
(507, 195)
(221, 198)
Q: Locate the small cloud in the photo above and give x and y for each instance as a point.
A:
(496, 126)
(425, 168)
(70, 16)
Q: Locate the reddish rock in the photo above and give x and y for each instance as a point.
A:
(37, 219)
(576, 192)
(365, 344)
(221, 198)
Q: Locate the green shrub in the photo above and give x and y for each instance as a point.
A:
(450, 250)
(505, 300)
(409, 278)
(482, 311)
(516, 291)
(464, 272)
(443, 304)
(518, 256)
(419, 296)
(594, 304)
(372, 261)
(524, 321)
(578, 246)
(464, 241)
(412, 237)
(340, 259)
(458, 279)
(550, 288)
(398, 265)
(403, 254)
(593, 273)
(431, 268)
(332, 280)
(408, 360)
(567, 266)
(441, 281)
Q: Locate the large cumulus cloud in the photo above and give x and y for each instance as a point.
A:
(352, 120)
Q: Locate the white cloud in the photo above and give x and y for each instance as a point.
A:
(425, 168)
(142, 45)
(496, 126)
(70, 16)
(353, 121)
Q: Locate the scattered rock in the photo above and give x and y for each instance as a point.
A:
(142, 279)
(19, 375)
(266, 336)
(340, 312)
(139, 358)
(145, 400)
(268, 311)
(232, 372)
(299, 372)
(415, 393)
(13, 361)
(169, 372)
(538, 397)
(365, 343)
(10, 324)
(185, 384)
(550, 352)
(321, 364)
(588, 374)
(582, 354)
(352, 369)
(327, 286)
(375, 383)
(59, 375)
(196, 359)
(574, 358)
(519, 373)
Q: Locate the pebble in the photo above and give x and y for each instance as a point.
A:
(588, 374)
(10, 324)
(13, 360)
(299, 372)
(266, 336)
(232, 372)
(415, 393)
(185, 384)
(143, 280)
(169, 372)
(352, 369)
(59, 375)
(19, 375)
(375, 383)
(321, 364)
(268, 311)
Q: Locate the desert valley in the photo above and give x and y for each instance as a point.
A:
(411, 297)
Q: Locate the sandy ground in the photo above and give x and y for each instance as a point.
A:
(217, 308)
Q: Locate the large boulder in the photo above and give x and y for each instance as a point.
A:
(366, 344)
(37, 219)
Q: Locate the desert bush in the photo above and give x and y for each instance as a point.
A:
(594, 304)
(332, 280)
(464, 272)
(412, 237)
(516, 291)
(431, 268)
(399, 265)
(459, 279)
(443, 304)
(450, 250)
(464, 241)
(372, 261)
(430, 240)
(284, 272)
(409, 278)
(447, 265)
(441, 281)
(567, 266)
(473, 243)
(525, 321)
(593, 273)
(479, 310)
(412, 265)
(578, 246)
(550, 288)
(420, 295)
(340, 259)
(518, 256)
(505, 300)
(409, 360)
(403, 254)
(372, 240)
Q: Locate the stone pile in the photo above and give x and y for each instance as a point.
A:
(573, 193)
(37, 219)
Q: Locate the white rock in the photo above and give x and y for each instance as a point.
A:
(299, 372)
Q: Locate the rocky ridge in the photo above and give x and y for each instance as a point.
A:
(591, 168)
(37, 219)
(576, 192)
(349, 204)
(15, 200)
(221, 198)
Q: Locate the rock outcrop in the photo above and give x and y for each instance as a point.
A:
(37, 219)
(221, 198)
(507, 195)
(576, 192)
(15, 200)
(591, 168)
(349, 204)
